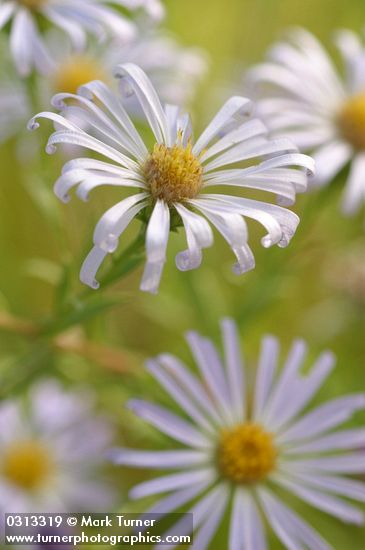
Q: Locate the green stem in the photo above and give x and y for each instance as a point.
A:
(268, 283)
(89, 303)
(127, 262)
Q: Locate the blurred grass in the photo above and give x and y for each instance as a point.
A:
(292, 292)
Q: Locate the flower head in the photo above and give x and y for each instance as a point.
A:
(74, 18)
(174, 70)
(173, 177)
(301, 95)
(240, 443)
(50, 449)
(14, 108)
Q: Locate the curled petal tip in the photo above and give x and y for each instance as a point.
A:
(94, 284)
(267, 241)
(238, 269)
(85, 92)
(124, 86)
(64, 198)
(57, 102)
(185, 262)
(50, 149)
(33, 124)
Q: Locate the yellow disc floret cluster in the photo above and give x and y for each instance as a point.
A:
(246, 453)
(76, 71)
(173, 174)
(26, 464)
(351, 121)
(32, 4)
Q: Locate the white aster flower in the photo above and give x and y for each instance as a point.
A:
(302, 96)
(244, 443)
(173, 177)
(51, 447)
(14, 109)
(76, 19)
(175, 70)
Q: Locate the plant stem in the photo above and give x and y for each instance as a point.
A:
(129, 260)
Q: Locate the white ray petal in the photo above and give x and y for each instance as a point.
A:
(115, 106)
(323, 418)
(199, 235)
(170, 424)
(247, 130)
(192, 385)
(247, 531)
(233, 107)
(293, 532)
(233, 228)
(265, 375)
(258, 147)
(115, 220)
(157, 459)
(157, 236)
(292, 404)
(210, 366)
(178, 498)
(284, 386)
(235, 368)
(329, 160)
(211, 505)
(134, 80)
(333, 484)
(178, 393)
(337, 441)
(354, 194)
(6, 11)
(330, 504)
(171, 482)
(343, 464)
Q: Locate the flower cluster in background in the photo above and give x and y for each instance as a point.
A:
(180, 125)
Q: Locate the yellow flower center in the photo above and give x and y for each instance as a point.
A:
(173, 174)
(76, 71)
(351, 121)
(26, 464)
(32, 4)
(246, 453)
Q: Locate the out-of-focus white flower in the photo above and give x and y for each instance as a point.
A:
(76, 19)
(174, 70)
(173, 177)
(241, 445)
(301, 95)
(51, 447)
(14, 109)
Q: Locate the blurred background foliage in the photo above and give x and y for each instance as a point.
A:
(314, 289)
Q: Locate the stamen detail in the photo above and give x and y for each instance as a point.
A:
(246, 453)
(173, 174)
(26, 464)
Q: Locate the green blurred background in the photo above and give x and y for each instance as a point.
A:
(314, 289)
